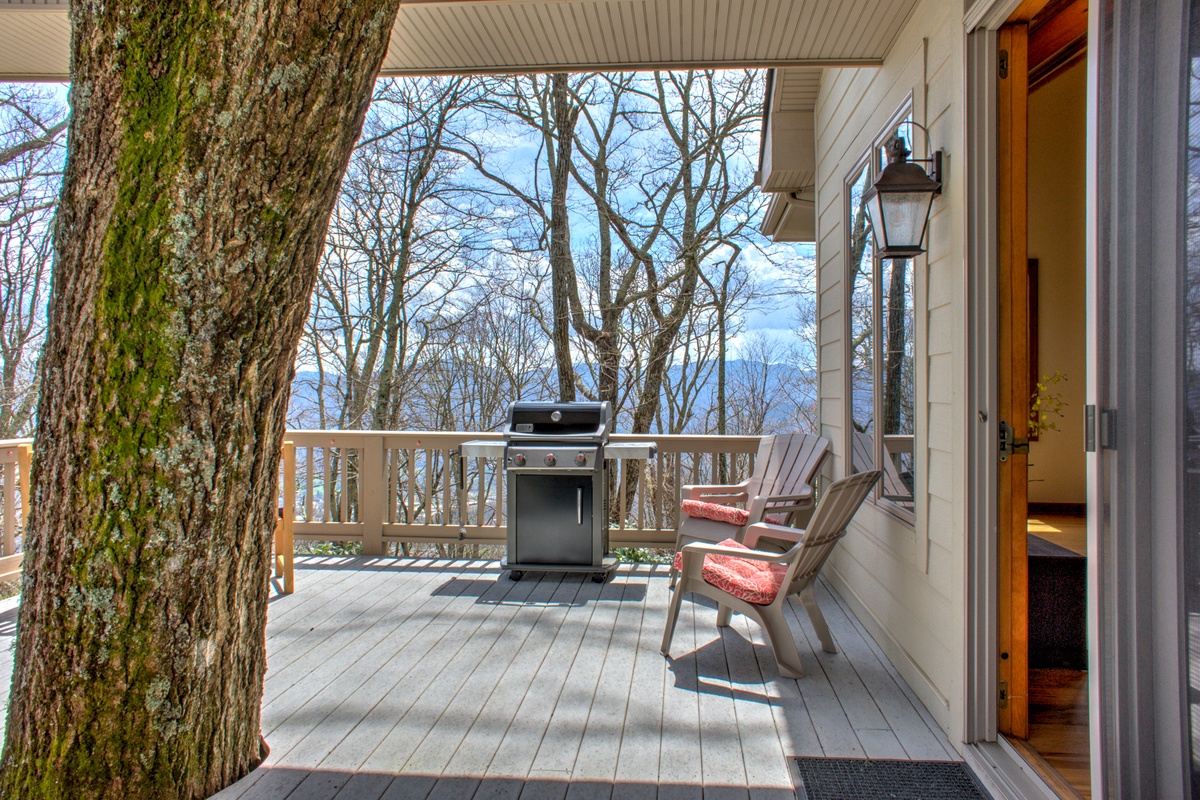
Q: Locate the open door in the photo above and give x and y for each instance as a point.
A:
(1013, 383)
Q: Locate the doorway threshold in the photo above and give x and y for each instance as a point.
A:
(1005, 773)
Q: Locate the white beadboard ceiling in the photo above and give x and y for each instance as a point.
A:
(463, 36)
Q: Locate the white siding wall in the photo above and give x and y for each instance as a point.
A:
(906, 581)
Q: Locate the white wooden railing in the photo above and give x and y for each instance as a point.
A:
(15, 457)
(384, 488)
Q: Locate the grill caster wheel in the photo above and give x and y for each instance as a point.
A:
(515, 575)
(600, 577)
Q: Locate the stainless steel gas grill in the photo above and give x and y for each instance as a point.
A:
(554, 455)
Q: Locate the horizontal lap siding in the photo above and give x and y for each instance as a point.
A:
(907, 580)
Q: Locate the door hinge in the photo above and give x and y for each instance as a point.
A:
(1003, 694)
(1009, 444)
(1003, 65)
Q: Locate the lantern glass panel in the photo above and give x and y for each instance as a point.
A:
(904, 215)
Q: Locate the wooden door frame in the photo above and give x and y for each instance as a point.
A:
(1013, 379)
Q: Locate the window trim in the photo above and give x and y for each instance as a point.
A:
(871, 160)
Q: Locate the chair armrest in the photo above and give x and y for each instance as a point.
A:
(717, 550)
(682, 538)
(786, 498)
(736, 491)
(781, 532)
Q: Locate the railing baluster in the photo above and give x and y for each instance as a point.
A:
(429, 487)
(285, 545)
(621, 499)
(500, 489)
(412, 484)
(309, 461)
(326, 487)
(389, 472)
(658, 493)
(25, 466)
(344, 494)
(9, 476)
(450, 466)
(678, 481)
(481, 493)
(640, 497)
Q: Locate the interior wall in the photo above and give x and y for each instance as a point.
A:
(905, 581)
(1057, 239)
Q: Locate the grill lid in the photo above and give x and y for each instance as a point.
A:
(528, 420)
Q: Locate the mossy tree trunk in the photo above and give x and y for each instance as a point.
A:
(206, 145)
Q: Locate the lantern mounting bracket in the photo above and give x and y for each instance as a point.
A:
(935, 156)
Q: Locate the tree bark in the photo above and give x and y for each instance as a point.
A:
(205, 150)
(562, 264)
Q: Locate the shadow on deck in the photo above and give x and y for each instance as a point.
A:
(407, 678)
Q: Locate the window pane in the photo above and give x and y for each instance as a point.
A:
(896, 379)
(862, 344)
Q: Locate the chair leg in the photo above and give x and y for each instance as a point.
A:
(787, 658)
(724, 614)
(672, 617)
(809, 599)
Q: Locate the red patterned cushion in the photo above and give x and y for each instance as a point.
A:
(715, 511)
(728, 514)
(753, 581)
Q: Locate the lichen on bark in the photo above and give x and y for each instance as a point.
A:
(206, 145)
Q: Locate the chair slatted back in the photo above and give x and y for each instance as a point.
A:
(828, 525)
(762, 460)
(794, 462)
(791, 470)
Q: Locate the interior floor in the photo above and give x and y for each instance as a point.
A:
(1058, 700)
(1058, 725)
(1063, 530)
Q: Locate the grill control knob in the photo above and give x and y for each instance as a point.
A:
(519, 460)
(581, 460)
(550, 460)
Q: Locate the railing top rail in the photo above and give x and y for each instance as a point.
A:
(672, 441)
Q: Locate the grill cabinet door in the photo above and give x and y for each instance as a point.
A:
(551, 520)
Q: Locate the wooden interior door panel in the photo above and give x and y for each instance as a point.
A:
(1014, 380)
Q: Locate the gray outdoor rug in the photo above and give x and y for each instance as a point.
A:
(884, 779)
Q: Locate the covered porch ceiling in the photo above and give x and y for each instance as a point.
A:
(482, 36)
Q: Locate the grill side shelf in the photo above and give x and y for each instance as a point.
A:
(482, 448)
(638, 450)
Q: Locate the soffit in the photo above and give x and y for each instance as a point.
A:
(465, 36)
(796, 89)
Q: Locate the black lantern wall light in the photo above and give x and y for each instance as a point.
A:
(900, 199)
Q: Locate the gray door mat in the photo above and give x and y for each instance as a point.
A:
(883, 779)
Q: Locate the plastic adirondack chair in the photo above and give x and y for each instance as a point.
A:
(779, 491)
(757, 583)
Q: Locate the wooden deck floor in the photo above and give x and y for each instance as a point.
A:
(444, 679)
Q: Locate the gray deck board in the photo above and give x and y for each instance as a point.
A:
(600, 747)
(641, 734)
(405, 678)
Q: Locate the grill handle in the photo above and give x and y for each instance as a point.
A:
(579, 506)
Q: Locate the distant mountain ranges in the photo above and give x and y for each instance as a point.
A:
(303, 407)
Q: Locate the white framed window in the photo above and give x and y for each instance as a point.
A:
(881, 336)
